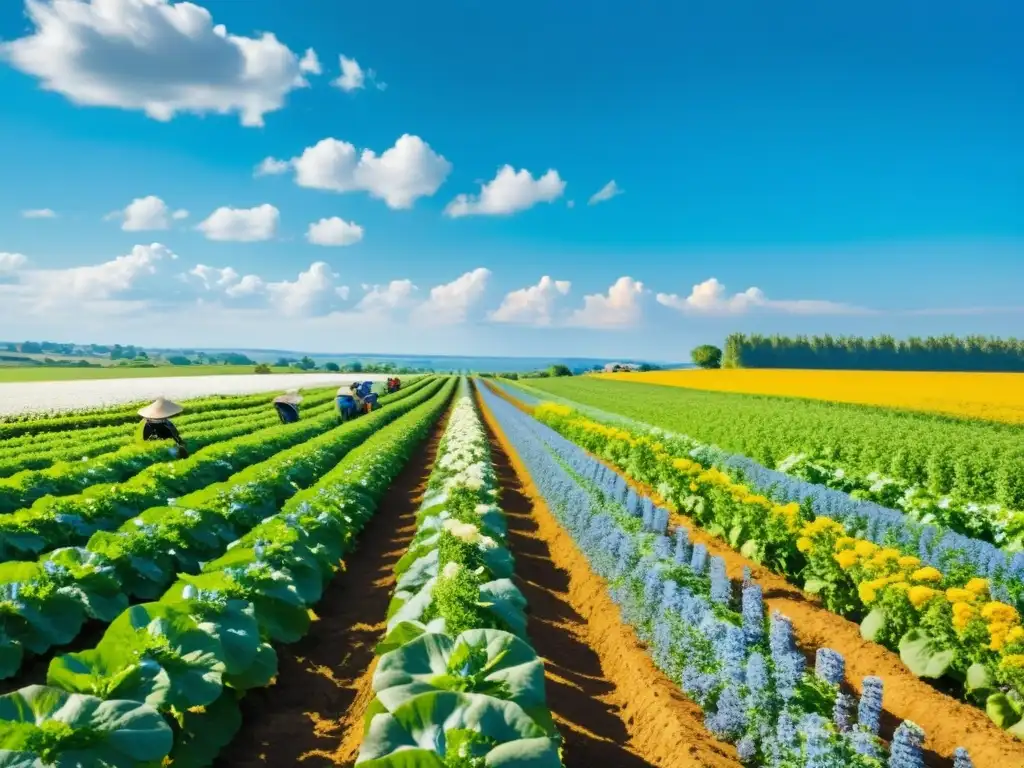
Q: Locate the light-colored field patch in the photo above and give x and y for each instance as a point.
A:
(53, 396)
(989, 396)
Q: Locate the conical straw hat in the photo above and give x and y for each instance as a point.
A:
(291, 397)
(161, 408)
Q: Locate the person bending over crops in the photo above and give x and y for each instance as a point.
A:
(287, 406)
(157, 424)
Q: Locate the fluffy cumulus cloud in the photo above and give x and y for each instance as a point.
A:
(39, 213)
(387, 298)
(620, 307)
(354, 78)
(534, 305)
(508, 192)
(144, 214)
(710, 298)
(315, 292)
(607, 192)
(399, 176)
(111, 284)
(242, 225)
(155, 56)
(9, 262)
(450, 303)
(334, 231)
(310, 63)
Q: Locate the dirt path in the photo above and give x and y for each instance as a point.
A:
(612, 705)
(948, 723)
(313, 713)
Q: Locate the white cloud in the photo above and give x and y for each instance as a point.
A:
(180, 214)
(450, 303)
(508, 192)
(242, 225)
(144, 214)
(154, 56)
(334, 231)
(619, 308)
(533, 305)
(607, 192)
(402, 174)
(310, 63)
(384, 299)
(352, 77)
(214, 277)
(709, 298)
(312, 293)
(39, 213)
(272, 167)
(247, 286)
(62, 289)
(9, 262)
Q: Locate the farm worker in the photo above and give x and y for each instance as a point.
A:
(345, 399)
(287, 406)
(157, 425)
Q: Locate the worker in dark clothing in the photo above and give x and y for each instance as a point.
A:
(287, 406)
(157, 424)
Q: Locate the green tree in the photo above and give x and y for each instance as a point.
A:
(332, 367)
(262, 368)
(307, 363)
(178, 360)
(707, 356)
(559, 370)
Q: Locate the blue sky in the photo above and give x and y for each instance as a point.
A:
(841, 167)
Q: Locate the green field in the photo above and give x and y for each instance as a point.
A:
(18, 373)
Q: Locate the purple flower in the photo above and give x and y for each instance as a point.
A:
(780, 636)
(788, 672)
(700, 558)
(721, 589)
(753, 613)
(748, 578)
(961, 759)
(841, 712)
(730, 717)
(830, 666)
(682, 545)
(907, 746)
(869, 712)
(865, 743)
(746, 749)
(757, 674)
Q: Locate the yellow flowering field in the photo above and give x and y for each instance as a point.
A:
(989, 396)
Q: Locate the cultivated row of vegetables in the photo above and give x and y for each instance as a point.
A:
(65, 477)
(967, 461)
(45, 602)
(457, 682)
(712, 637)
(59, 521)
(945, 604)
(165, 679)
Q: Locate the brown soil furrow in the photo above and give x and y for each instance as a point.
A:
(948, 723)
(313, 713)
(612, 705)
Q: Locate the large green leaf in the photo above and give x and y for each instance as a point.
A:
(205, 733)
(40, 725)
(153, 652)
(505, 601)
(923, 656)
(259, 673)
(425, 721)
(486, 661)
(873, 625)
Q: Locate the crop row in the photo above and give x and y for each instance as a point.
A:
(165, 679)
(55, 521)
(993, 523)
(976, 462)
(712, 637)
(924, 600)
(457, 681)
(50, 599)
(64, 478)
(40, 452)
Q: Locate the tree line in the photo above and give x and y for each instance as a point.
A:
(877, 353)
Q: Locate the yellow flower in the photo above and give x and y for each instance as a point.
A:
(900, 586)
(845, 542)
(1013, 661)
(977, 586)
(1000, 612)
(926, 574)
(908, 561)
(959, 595)
(1015, 635)
(846, 558)
(693, 487)
(804, 544)
(887, 555)
(963, 614)
(866, 593)
(865, 548)
(920, 595)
